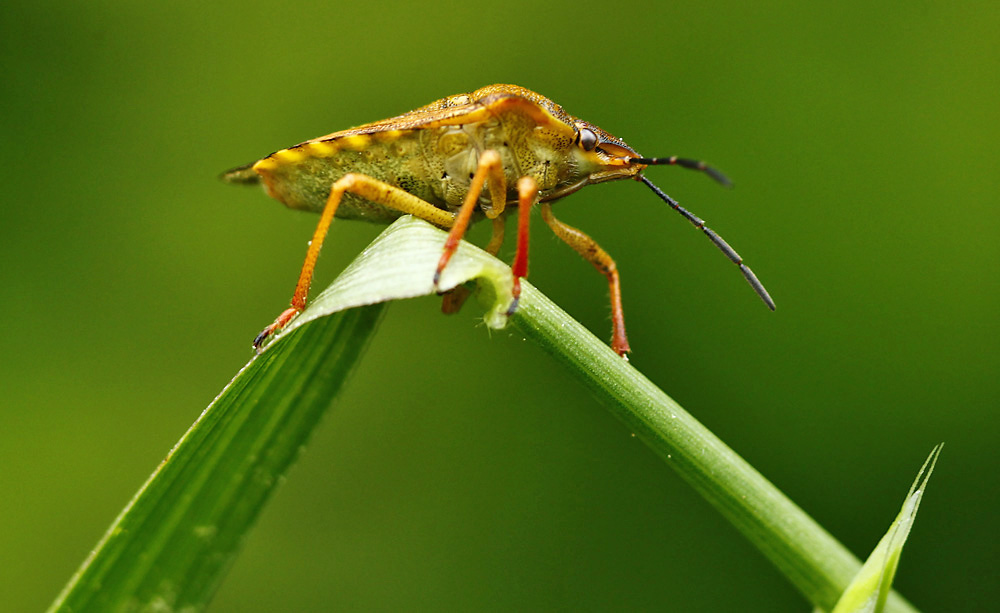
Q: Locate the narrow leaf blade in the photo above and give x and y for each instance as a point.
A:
(171, 545)
(873, 583)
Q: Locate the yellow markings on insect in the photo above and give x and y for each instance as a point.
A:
(293, 155)
(460, 159)
(322, 148)
(298, 153)
(355, 142)
(265, 165)
(389, 135)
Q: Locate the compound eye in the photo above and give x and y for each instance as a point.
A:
(587, 139)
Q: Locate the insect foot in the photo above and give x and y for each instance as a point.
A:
(279, 323)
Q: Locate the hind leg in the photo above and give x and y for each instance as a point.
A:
(370, 189)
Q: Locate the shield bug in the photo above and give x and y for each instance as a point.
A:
(434, 162)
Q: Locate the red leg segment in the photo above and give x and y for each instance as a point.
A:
(527, 194)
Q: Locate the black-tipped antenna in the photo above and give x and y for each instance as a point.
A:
(721, 244)
(685, 163)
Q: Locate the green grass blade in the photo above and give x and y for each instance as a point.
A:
(400, 264)
(170, 547)
(868, 592)
(816, 563)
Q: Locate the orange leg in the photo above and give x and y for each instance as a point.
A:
(366, 187)
(496, 239)
(592, 252)
(453, 300)
(490, 167)
(527, 193)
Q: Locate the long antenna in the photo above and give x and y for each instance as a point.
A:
(715, 238)
(684, 163)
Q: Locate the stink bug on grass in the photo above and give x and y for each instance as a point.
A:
(433, 162)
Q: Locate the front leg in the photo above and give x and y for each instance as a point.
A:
(592, 252)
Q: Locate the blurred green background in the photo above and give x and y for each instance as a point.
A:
(863, 141)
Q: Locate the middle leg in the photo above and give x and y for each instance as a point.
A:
(454, 298)
(490, 169)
